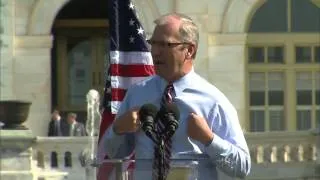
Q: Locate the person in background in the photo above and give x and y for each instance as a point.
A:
(1, 124)
(75, 128)
(57, 126)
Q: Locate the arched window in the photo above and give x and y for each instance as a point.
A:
(283, 63)
(286, 16)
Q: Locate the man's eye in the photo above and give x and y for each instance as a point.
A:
(169, 44)
(163, 43)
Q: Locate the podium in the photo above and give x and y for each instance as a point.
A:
(182, 168)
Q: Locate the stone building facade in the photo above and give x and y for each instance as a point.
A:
(33, 46)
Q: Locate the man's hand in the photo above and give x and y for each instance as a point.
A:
(128, 122)
(198, 129)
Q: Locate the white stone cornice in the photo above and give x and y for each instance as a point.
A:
(33, 42)
(43, 15)
(227, 39)
(39, 24)
(147, 11)
(238, 15)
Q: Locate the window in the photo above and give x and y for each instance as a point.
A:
(284, 66)
(256, 55)
(257, 120)
(307, 54)
(263, 15)
(272, 54)
(305, 16)
(317, 99)
(304, 100)
(303, 54)
(275, 100)
(275, 16)
(79, 59)
(275, 54)
(266, 101)
(317, 54)
(80, 65)
(303, 119)
(318, 117)
(257, 101)
(268, 92)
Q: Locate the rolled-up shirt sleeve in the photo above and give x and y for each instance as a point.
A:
(228, 149)
(114, 145)
(117, 146)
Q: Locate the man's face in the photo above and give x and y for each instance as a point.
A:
(71, 119)
(168, 59)
(55, 115)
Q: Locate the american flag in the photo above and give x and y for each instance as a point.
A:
(130, 62)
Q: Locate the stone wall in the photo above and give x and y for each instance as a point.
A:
(6, 49)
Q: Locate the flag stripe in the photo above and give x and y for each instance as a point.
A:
(118, 94)
(124, 82)
(127, 58)
(134, 70)
(115, 105)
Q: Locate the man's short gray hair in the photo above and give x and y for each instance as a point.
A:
(188, 30)
(71, 114)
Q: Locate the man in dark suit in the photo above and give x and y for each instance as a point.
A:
(57, 126)
(75, 128)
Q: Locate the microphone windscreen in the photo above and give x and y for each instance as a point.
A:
(148, 110)
(171, 108)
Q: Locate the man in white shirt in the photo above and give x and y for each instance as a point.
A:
(208, 126)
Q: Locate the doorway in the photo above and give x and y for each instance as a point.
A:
(79, 55)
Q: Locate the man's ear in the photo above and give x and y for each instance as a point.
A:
(190, 51)
(189, 55)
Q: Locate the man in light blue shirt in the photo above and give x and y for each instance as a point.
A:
(209, 129)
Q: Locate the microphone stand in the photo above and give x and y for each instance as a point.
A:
(161, 152)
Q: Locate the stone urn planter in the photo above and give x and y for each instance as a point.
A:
(13, 113)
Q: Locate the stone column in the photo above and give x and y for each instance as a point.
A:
(32, 79)
(16, 154)
(6, 49)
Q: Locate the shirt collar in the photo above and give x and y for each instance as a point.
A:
(180, 84)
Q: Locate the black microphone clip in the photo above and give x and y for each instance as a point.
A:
(147, 115)
(169, 114)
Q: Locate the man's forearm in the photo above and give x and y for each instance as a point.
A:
(229, 158)
(112, 142)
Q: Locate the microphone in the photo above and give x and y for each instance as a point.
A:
(170, 115)
(147, 115)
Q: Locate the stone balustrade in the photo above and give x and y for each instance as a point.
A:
(282, 147)
(61, 156)
(278, 155)
(283, 155)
